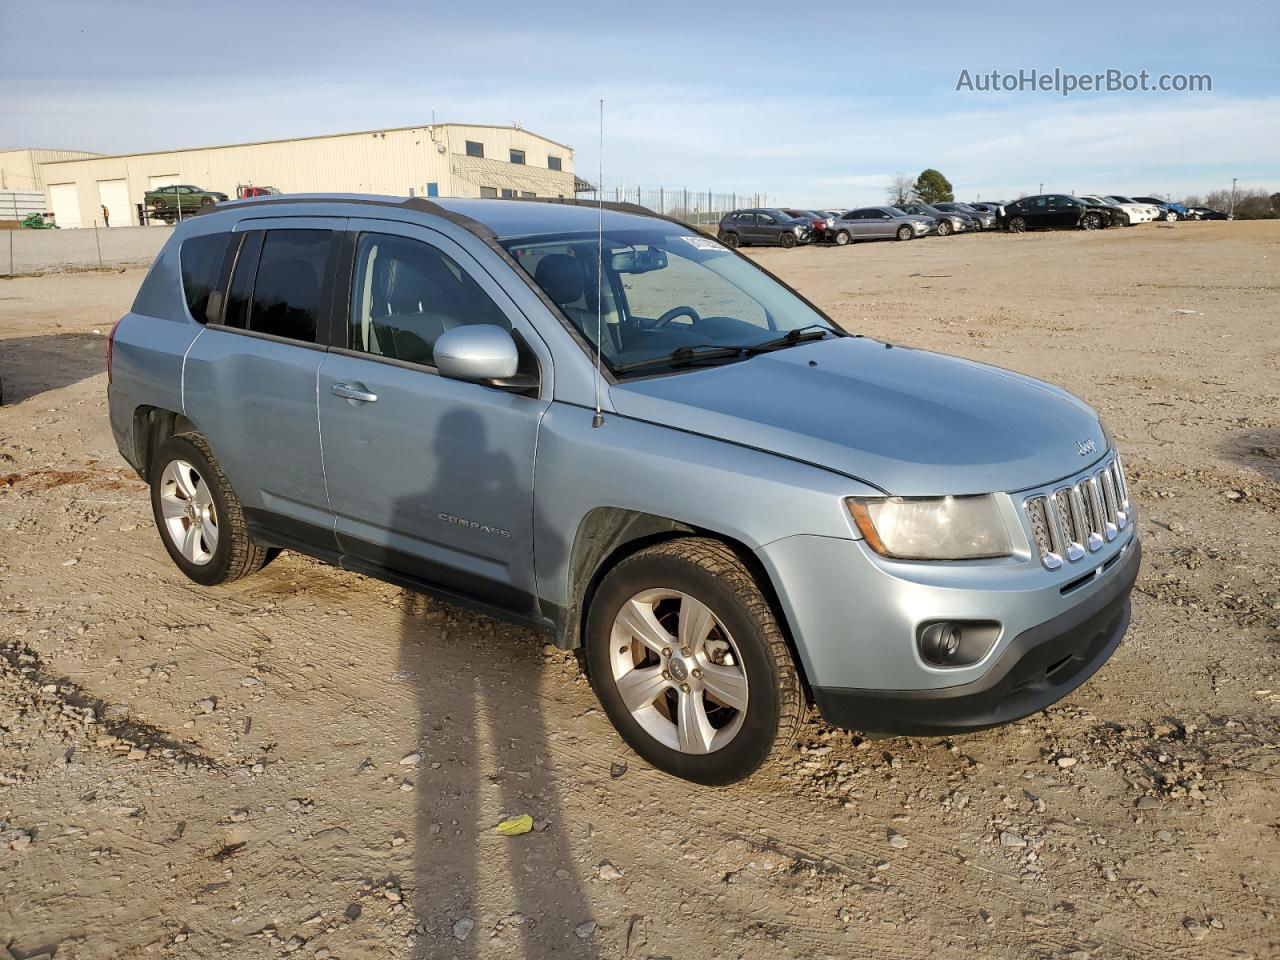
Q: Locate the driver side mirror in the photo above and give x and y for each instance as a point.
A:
(481, 353)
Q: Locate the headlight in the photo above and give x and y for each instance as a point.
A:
(941, 528)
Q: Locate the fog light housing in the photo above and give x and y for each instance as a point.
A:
(956, 643)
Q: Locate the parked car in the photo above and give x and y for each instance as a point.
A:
(180, 199)
(763, 225)
(1052, 210)
(983, 220)
(820, 223)
(991, 208)
(244, 191)
(1206, 213)
(880, 223)
(1123, 214)
(1138, 212)
(1168, 210)
(1112, 215)
(948, 223)
(749, 509)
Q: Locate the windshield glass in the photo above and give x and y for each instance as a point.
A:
(894, 211)
(663, 290)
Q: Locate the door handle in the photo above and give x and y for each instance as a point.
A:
(353, 393)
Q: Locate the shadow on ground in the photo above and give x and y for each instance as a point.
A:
(480, 893)
(1256, 449)
(31, 365)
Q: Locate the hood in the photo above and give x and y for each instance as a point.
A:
(910, 422)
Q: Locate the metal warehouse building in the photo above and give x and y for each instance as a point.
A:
(446, 159)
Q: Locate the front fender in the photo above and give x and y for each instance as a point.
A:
(688, 480)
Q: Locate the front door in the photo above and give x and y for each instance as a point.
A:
(250, 377)
(429, 478)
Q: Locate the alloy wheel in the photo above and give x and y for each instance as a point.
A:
(678, 671)
(190, 516)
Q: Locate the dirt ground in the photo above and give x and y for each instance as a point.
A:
(312, 763)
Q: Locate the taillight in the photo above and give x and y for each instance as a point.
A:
(111, 342)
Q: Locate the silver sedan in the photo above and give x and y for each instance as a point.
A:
(880, 223)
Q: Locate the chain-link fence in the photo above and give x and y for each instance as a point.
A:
(694, 207)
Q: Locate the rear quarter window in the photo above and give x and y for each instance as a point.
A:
(201, 259)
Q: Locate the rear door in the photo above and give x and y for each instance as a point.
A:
(429, 477)
(250, 377)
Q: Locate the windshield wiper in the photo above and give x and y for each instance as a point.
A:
(697, 352)
(814, 331)
(687, 354)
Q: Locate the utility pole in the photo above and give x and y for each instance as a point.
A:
(1232, 214)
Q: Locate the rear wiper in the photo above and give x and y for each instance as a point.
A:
(814, 331)
(687, 354)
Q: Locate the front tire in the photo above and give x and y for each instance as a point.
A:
(842, 238)
(905, 233)
(1017, 225)
(690, 664)
(1091, 221)
(944, 228)
(199, 516)
(787, 239)
(1170, 216)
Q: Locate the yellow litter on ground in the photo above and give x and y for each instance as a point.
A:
(515, 826)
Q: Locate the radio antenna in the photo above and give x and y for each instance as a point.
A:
(598, 419)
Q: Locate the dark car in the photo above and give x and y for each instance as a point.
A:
(982, 219)
(948, 223)
(1206, 213)
(763, 225)
(180, 199)
(1048, 211)
(821, 224)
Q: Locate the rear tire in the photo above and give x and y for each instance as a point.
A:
(685, 630)
(787, 239)
(1017, 225)
(198, 515)
(842, 238)
(905, 233)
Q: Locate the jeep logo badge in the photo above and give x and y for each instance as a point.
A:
(1085, 447)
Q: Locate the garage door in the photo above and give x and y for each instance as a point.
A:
(114, 195)
(65, 199)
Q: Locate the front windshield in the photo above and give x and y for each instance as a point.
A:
(663, 290)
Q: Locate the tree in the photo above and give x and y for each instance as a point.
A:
(901, 190)
(932, 187)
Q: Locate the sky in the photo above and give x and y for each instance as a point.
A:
(811, 103)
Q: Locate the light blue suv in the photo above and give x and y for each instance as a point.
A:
(608, 426)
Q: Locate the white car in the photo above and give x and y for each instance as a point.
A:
(1145, 211)
(1131, 213)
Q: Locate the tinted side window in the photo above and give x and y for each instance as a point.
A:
(406, 294)
(287, 291)
(201, 259)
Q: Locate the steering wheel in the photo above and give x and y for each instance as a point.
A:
(674, 312)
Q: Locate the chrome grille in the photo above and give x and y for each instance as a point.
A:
(1078, 519)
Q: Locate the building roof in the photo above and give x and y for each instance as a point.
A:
(484, 172)
(316, 136)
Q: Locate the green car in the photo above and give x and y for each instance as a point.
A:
(180, 198)
(39, 221)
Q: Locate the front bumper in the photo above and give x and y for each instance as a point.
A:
(1038, 668)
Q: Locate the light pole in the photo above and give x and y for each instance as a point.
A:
(1231, 215)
